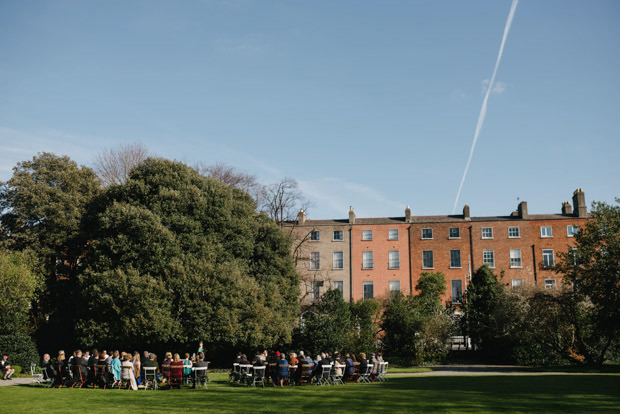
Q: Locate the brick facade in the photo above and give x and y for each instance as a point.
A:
(455, 245)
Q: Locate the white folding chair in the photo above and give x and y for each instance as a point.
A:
(365, 376)
(200, 376)
(36, 378)
(336, 376)
(258, 376)
(382, 371)
(150, 377)
(324, 375)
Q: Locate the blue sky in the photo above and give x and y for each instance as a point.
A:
(366, 103)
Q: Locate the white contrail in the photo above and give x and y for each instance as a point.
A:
(483, 110)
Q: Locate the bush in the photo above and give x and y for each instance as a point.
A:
(21, 350)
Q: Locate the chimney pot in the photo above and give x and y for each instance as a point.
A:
(466, 212)
(408, 214)
(522, 209)
(351, 215)
(579, 203)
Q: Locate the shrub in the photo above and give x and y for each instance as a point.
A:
(21, 350)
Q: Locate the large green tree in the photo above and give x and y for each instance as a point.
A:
(177, 257)
(326, 327)
(41, 209)
(592, 268)
(416, 327)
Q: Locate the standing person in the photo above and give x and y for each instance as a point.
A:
(5, 365)
(200, 347)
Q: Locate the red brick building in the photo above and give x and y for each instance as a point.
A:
(390, 253)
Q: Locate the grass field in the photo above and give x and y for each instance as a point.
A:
(463, 394)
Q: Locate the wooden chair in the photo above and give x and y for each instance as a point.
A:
(102, 376)
(176, 374)
(78, 378)
(125, 377)
(306, 374)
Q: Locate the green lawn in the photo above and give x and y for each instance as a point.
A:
(463, 394)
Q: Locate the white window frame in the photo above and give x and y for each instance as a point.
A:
(492, 255)
(518, 236)
(339, 285)
(450, 236)
(366, 235)
(487, 237)
(318, 235)
(459, 298)
(334, 261)
(550, 283)
(571, 230)
(391, 234)
(517, 283)
(315, 261)
(367, 260)
(432, 259)
(460, 266)
(516, 256)
(548, 253)
(543, 232)
(427, 238)
(372, 289)
(334, 235)
(393, 263)
(392, 284)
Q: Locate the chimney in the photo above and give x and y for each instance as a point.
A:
(579, 202)
(301, 217)
(522, 209)
(567, 210)
(466, 212)
(407, 215)
(351, 215)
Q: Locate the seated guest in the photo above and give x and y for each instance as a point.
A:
(137, 367)
(150, 362)
(237, 359)
(5, 365)
(176, 369)
(258, 361)
(62, 370)
(128, 372)
(363, 363)
(349, 366)
(46, 367)
(187, 365)
(200, 375)
(282, 369)
(244, 360)
(115, 366)
(165, 367)
(80, 375)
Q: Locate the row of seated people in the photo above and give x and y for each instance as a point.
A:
(304, 368)
(103, 370)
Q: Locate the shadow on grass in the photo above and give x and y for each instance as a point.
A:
(544, 393)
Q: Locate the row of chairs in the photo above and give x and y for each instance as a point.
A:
(101, 377)
(331, 374)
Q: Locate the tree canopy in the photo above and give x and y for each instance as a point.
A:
(180, 257)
